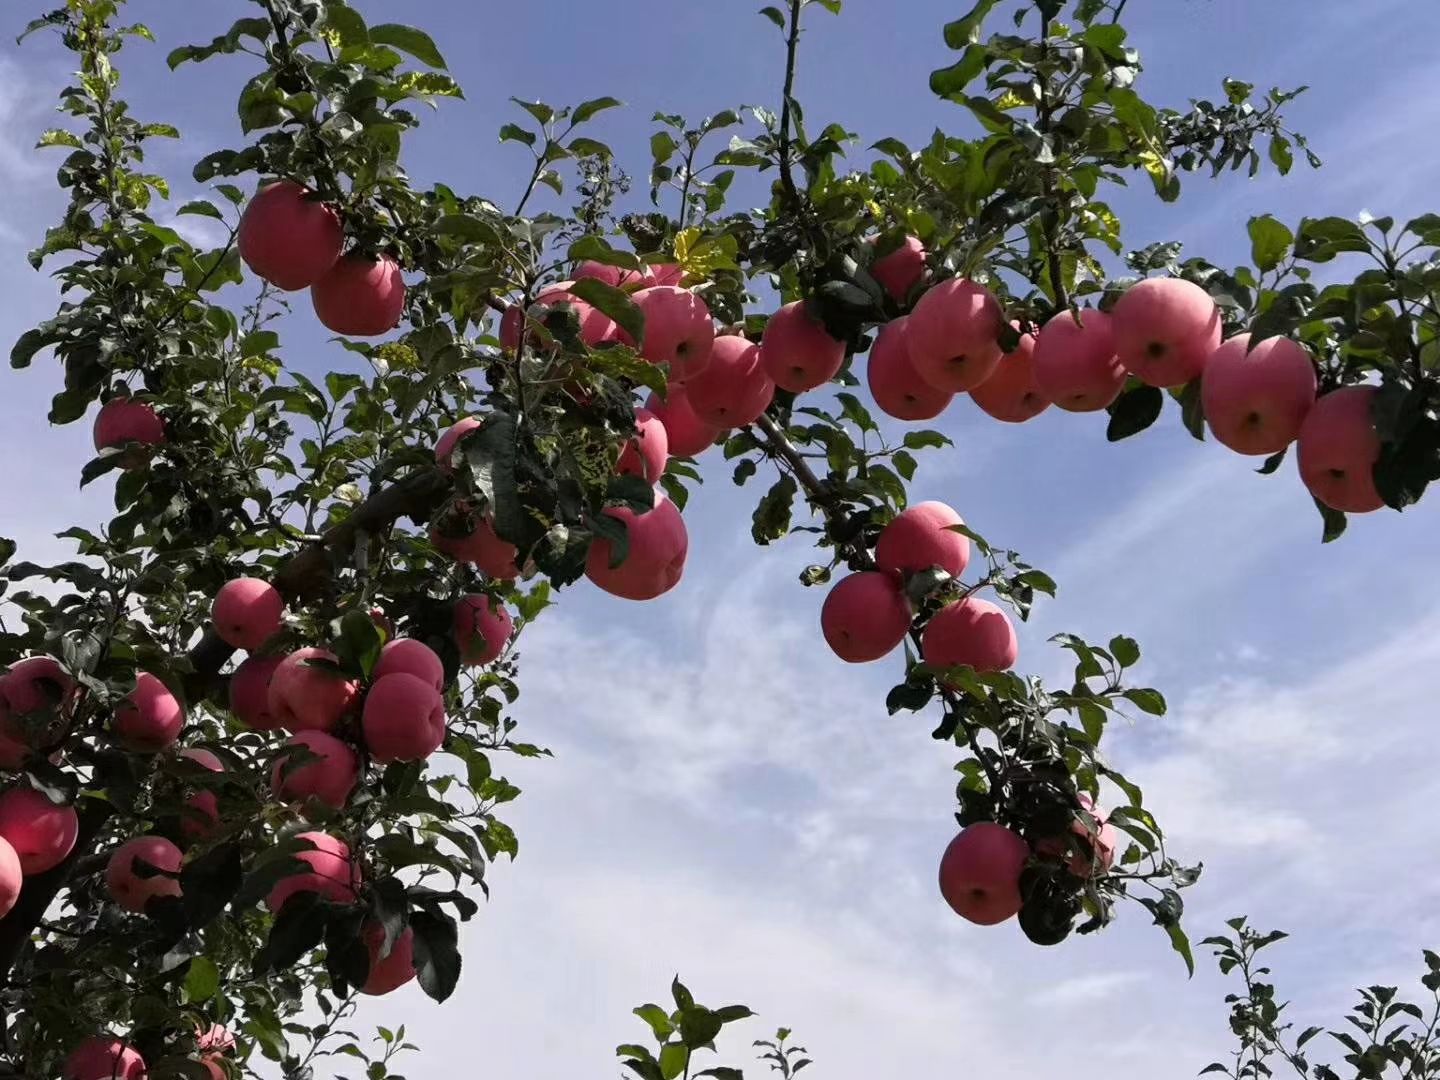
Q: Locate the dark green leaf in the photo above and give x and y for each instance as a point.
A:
(408, 39)
(1134, 411)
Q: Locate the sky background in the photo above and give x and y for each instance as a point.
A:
(729, 801)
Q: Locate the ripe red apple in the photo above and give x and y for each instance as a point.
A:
(686, 433)
(131, 889)
(894, 383)
(216, 1039)
(980, 873)
(971, 631)
(410, 657)
(123, 421)
(656, 559)
(201, 812)
(482, 548)
(1165, 330)
(1338, 448)
(150, 717)
(1256, 399)
(289, 237)
(1075, 363)
(445, 447)
(360, 297)
(954, 335)
(404, 719)
(511, 324)
(329, 777)
(36, 698)
(1011, 393)
(595, 325)
(647, 452)
(250, 692)
(247, 612)
(734, 389)
(678, 330)
(482, 629)
(11, 877)
(308, 692)
(41, 833)
(865, 617)
(617, 276)
(1102, 844)
(797, 352)
(331, 872)
(104, 1057)
(920, 538)
(664, 274)
(12, 754)
(388, 971)
(901, 270)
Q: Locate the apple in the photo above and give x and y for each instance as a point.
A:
(482, 629)
(124, 421)
(308, 691)
(954, 334)
(970, 631)
(448, 442)
(678, 330)
(247, 612)
(655, 562)
(150, 717)
(11, 877)
(329, 776)
(392, 970)
(360, 296)
(1256, 399)
(132, 889)
(250, 692)
(920, 538)
(41, 833)
(664, 274)
(1011, 393)
(12, 754)
(900, 270)
(797, 351)
(216, 1039)
(482, 548)
(331, 872)
(404, 719)
(686, 433)
(1338, 448)
(894, 383)
(512, 322)
(410, 657)
(201, 813)
(1075, 363)
(646, 453)
(289, 237)
(734, 389)
(615, 276)
(1102, 844)
(595, 325)
(1165, 330)
(865, 617)
(103, 1057)
(37, 696)
(980, 873)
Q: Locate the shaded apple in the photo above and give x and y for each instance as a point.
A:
(796, 350)
(1338, 448)
(125, 422)
(37, 696)
(655, 562)
(103, 1057)
(645, 454)
(329, 776)
(899, 271)
(482, 629)
(1011, 394)
(330, 873)
(250, 692)
(895, 384)
(970, 631)
(11, 877)
(41, 833)
(980, 873)
(133, 888)
(392, 970)
(447, 443)
(309, 692)
(360, 296)
(200, 814)
(481, 547)
(150, 718)
(685, 432)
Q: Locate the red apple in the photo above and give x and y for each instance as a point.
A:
(865, 617)
(1075, 363)
(216, 1039)
(511, 324)
(678, 330)
(289, 237)
(1338, 448)
(410, 657)
(247, 612)
(12, 754)
(1102, 844)
(103, 1057)
(734, 389)
(664, 274)
(894, 383)
(656, 559)
(360, 297)
(616, 276)
(445, 447)
(595, 325)
(37, 696)
(250, 692)
(980, 873)
(920, 538)
(954, 335)
(329, 777)
(970, 631)
(901, 270)
(201, 813)
(1011, 393)
(482, 548)
(404, 719)
(308, 692)
(150, 718)
(482, 629)
(132, 889)
(392, 970)
(1165, 330)
(1256, 399)
(797, 352)
(331, 872)
(646, 453)
(41, 833)
(686, 433)
(123, 421)
(11, 877)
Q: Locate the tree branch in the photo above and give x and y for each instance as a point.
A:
(792, 48)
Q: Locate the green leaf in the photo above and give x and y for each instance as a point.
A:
(1335, 522)
(410, 40)
(1321, 239)
(588, 109)
(1147, 701)
(919, 440)
(966, 30)
(1270, 241)
(1134, 411)
(201, 208)
(674, 1057)
(515, 133)
(952, 81)
(775, 15)
(437, 953)
(1180, 942)
(771, 519)
(59, 137)
(538, 109)
(616, 303)
(201, 980)
(1125, 650)
(657, 1018)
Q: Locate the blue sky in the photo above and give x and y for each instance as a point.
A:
(729, 801)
